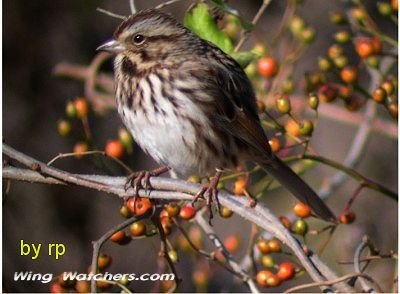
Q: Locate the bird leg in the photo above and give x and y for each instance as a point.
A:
(209, 192)
(134, 180)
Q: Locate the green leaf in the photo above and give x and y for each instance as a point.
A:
(247, 25)
(244, 58)
(201, 22)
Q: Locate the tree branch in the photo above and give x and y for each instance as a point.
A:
(168, 189)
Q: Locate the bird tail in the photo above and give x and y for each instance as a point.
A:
(292, 182)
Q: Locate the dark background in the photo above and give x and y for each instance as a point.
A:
(39, 34)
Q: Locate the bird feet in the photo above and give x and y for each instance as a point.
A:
(141, 179)
(209, 192)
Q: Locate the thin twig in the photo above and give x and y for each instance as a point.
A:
(99, 243)
(166, 3)
(164, 248)
(229, 258)
(65, 155)
(132, 6)
(109, 13)
(327, 283)
(365, 243)
(255, 20)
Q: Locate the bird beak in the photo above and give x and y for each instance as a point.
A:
(112, 46)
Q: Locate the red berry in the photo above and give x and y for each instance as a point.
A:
(81, 106)
(114, 148)
(139, 206)
(267, 67)
(231, 243)
(79, 148)
(286, 271)
(187, 212)
(118, 237)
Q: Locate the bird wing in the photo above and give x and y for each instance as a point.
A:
(236, 103)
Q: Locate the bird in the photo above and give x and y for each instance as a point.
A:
(191, 107)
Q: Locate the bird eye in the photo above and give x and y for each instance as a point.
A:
(138, 39)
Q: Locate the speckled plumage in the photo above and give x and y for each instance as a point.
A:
(189, 105)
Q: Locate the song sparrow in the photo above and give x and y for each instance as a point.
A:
(190, 106)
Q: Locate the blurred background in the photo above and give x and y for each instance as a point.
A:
(38, 35)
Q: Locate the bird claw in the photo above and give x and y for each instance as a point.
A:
(141, 179)
(210, 194)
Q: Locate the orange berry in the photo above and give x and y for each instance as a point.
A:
(286, 271)
(240, 186)
(262, 277)
(114, 148)
(267, 67)
(389, 87)
(364, 47)
(187, 212)
(292, 128)
(57, 288)
(349, 74)
(103, 261)
(139, 206)
(79, 148)
(167, 224)
(273, 281)
(81, 106)
(285, 222)
(262, 246)
(335, 51)
(275, 245)
(118, 237)
(395, 5)
(274, 144)
(379, 95)
(200, 277)
(102, 284)
(232, 243)
(82, 286)
(393, 110)
(302, 210)
(347, 217)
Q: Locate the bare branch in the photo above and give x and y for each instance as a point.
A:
(165, 188)
(220, 246)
